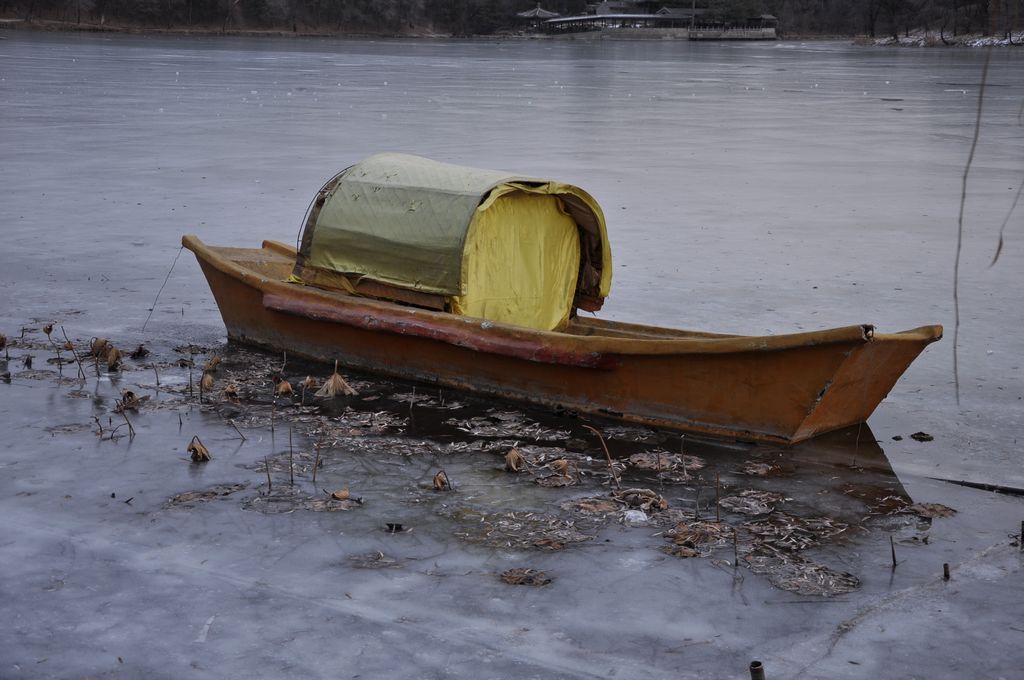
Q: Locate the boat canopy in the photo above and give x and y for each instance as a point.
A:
(484, 243)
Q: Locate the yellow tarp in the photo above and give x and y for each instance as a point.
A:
(482, 243)
(520, 261)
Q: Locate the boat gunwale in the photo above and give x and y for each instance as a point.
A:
(446, 327)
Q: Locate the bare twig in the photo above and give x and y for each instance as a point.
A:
(718, 498)
(131, 430)
(81, 371)
(1002, 227)
(608, 457)
(266, 467)
(232, 424)
(960, 225)
(291, 453)
(162, 287)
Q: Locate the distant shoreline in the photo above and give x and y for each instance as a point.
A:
(52, 26)
(915, 39)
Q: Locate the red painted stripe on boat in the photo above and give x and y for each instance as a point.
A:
(476, 336)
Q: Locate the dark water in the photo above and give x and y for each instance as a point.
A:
(751, 188)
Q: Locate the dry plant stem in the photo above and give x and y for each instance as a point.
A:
(266, 468)
(157, 375)
(232, 424)
(1002, 227)
(892, 547)
(291, 453)
(319, 447)
(608, 457)
(149, 316)
(60, 362)
(131, 430)
(98, 425)
(81, 371)
(960, 225)
(718, 497)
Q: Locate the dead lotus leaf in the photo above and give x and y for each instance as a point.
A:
(308, 383)
(113, 358)
(931, 510)
(677, 476)
(140, 352)
(699, 537)
(192, 497)
(556, 481)
(329, 504)
(525, 577)
(800, 575)
(643, 499)
(560, 466)
(922, 437)
(654, 460)
(283, 389)
(374, 560)
(341, 495)
(752, 502)
(48, 328)
(755, 469)
(211, 364)
(199, 453)
(592, 505)
(207, 382)
(335, 386)
(231, 392)
(518, 530)
(441, 482)
(98, 347)
(514, 460)
(789, 532)
(67, 345)
(3, 341)
(681, 551)
(129, 401)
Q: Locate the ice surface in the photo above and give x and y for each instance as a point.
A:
(749, 188)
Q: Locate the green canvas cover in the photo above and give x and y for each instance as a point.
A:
(403, 221)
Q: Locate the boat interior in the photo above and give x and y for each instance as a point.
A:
(275, 260)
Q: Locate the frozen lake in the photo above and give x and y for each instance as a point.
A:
(748, 187)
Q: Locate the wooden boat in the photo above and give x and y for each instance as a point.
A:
(782, 388)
